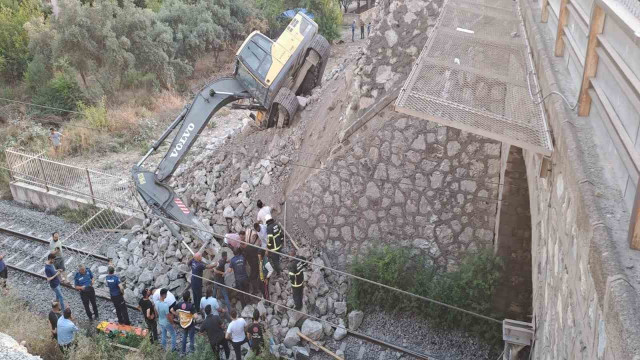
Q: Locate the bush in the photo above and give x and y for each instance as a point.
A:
(36, 74)
(95, 116)
(470, 287)
(61, 92)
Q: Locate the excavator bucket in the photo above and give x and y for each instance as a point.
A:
(152, 185)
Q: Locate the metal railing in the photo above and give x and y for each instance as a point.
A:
(52, 175)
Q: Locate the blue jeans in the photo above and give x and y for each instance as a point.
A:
(225, 295)
(164, 329)
(190, 332)
(58, 291)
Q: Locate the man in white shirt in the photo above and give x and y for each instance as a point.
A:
(262, 212)
(236, 333)
(261, 230)
(169, 300)
(209, 299)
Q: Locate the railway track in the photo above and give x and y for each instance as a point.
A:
(26, 251)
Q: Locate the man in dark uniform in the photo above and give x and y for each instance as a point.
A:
(214, 328)
(83, 282)
(117, 296)
(296, 278)
(274, 242)
(197, 271)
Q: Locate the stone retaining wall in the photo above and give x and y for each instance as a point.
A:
(584, 294)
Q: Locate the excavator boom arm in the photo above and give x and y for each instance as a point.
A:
(151, 185)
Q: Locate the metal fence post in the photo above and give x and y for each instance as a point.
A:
(93, 197)
(6, 158)
(44, 175)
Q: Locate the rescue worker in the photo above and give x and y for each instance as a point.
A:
(255, 333)
(238, 266)
(266, 270)
(251, 250)
(274, 242)
(83, 282)
(197, 272)
(263, 211)
(117, 296)
(187, 315)
(296, 277)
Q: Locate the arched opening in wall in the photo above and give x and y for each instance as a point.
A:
(513, 239)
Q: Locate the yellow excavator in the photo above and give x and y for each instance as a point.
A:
(268, 76)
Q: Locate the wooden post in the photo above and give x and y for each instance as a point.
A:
(634, 226)
(562, 22)
(93, 197)
(544, 14)
(331, 353)
(591, 60)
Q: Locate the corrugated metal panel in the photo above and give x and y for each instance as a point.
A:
(475, 74)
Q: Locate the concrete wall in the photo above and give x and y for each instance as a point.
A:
(584, 284)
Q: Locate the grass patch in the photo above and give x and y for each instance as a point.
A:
(22, 324)
(470, 287)
(77, 216)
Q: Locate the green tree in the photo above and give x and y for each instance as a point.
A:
(271, 11)
(14, 39)
(327, 15)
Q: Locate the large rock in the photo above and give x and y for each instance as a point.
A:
(316, 280)
(247, 312)
(340, 332)
(355, 319)
(162, 281)
(292, 339)
(312, 329)
(294, 317)
(321, 306)
(300, 353)
(340, 307)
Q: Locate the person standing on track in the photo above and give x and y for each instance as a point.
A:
(239, 269)
(4, 271)
(251, 250)
(165, 320)
(66, 331)
(53, 277)
(236, 333)
(145, 305)
(83, 282)
(361, 23)
(255, 334)
(274, 242)
(117, 297)
(218, 278)
(214, 329)
(266, 271)
(197, 272)
(187, 315)
(54, 316)
(296, 277)
(56, 248)
(170, 299)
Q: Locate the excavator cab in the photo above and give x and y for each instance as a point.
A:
(269, 74)
(274, 72)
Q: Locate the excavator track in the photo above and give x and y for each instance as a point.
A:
(321, 46)
(283, 109)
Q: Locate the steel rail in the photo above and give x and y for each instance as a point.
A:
(37, 239)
